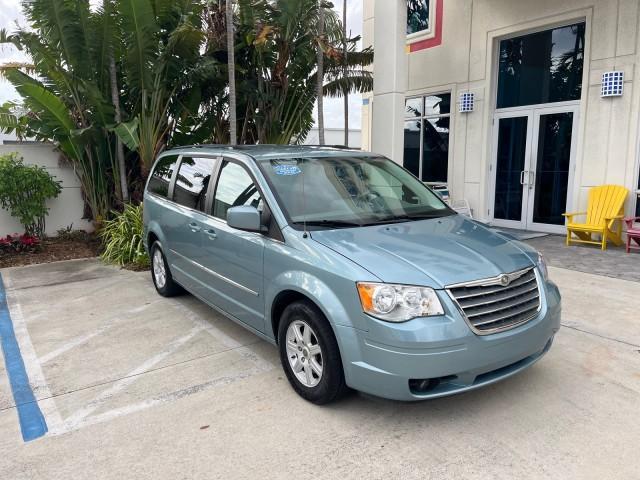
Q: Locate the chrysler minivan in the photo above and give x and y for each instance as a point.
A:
(359, 273)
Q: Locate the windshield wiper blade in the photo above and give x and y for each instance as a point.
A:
(329, 223)
(405, 218)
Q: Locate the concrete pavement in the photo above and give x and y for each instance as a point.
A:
(136, 386)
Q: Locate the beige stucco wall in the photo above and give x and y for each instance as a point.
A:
(65, 210)
(607, 143)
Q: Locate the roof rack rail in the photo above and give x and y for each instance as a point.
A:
(231, 147)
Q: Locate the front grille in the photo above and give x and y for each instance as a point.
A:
(490, 307)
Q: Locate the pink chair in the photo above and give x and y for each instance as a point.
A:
(632, 233)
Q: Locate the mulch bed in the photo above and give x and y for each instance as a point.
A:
(55, 249)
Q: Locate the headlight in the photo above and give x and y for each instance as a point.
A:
(542, 266)
(398, 303)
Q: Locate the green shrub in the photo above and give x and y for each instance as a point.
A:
(123, 238)
(24, 191)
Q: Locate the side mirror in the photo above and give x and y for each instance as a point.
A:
(244, 218)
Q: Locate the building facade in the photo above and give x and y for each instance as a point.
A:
(519, 107)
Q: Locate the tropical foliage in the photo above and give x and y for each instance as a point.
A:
(24, 191)
(113, 87)
(123, 236)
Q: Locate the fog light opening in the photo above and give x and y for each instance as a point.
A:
(420, 386)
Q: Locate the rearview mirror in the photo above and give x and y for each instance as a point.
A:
(244, 218)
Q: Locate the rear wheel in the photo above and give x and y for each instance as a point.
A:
(309, 354)
(161, 274)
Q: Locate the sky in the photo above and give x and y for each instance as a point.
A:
(10, 13)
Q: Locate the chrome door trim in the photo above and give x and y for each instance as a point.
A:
(215, 274)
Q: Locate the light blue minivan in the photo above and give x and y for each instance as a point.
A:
(361, 275)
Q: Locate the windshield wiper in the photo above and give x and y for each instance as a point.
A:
(406, 218)
(328, 223)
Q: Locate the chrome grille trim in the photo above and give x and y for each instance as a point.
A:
(489, 307)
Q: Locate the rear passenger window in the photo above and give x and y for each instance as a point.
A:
(161, 176)
(235, 188)
(192, 182)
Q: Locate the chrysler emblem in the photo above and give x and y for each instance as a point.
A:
(505, 280)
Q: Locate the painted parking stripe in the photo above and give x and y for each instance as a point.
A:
(32, 422)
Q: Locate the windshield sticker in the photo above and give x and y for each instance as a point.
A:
(287, 169)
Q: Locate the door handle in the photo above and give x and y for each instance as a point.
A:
(532, 179)
(211, 234)
(194, 227)
(522, 177)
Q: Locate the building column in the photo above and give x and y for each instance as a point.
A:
(390, 73)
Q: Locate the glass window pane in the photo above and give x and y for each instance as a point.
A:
(161, 176)
(552, 168)
(413, 107)
(541, 67)
(192, 182)
(437, 104)
(435, 150)
(359, 190)
(512, 145)
(235, 188)
(417, 16)
(412, 146)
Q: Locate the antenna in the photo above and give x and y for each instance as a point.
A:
(305, 234)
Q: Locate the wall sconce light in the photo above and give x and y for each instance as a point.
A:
(466, 102)
(612, 84)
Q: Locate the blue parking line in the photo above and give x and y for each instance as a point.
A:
(32, 422)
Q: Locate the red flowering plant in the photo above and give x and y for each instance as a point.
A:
(16, 243)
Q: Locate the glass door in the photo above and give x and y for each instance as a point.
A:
(550, 169)
(512, 147)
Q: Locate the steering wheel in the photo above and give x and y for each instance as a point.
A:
(373, 199)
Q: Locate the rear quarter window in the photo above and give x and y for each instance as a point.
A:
(161, 176)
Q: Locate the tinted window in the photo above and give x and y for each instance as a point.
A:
(235, 188)
(412, 146)
(417, 16)
(541, 67)
(192, 182)
(437, 104)
(435, 149)
(426, 138)
(161, 176)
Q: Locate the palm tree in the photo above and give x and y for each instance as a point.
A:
(115, 99)
(233, 135)
(320, 73)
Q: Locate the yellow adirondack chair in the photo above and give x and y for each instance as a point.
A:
(604, 212)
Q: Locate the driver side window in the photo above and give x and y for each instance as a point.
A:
(235, 188)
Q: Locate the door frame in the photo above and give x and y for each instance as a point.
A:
(533, 114)
(512, 113)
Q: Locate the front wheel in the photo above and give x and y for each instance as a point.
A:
(309, 354)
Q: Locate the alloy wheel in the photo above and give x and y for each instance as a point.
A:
(159, 271)
(304, 353)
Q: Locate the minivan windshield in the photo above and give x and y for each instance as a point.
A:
(342, 192)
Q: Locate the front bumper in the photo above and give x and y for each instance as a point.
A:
(383, 360)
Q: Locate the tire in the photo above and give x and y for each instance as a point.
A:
(160, 273)
(306, 342)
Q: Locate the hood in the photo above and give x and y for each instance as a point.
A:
(435, 252)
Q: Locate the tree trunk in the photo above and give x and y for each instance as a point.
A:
(233, 134)
(345, 73)
(320, 73)
(115, 98)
